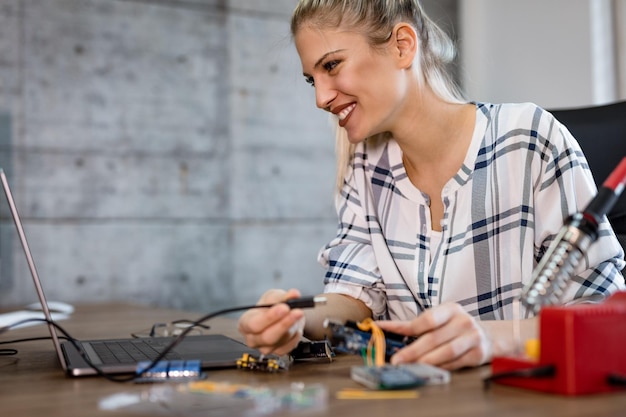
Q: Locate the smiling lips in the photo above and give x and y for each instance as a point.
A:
(343, 113)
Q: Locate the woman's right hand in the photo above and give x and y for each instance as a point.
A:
(276, 329)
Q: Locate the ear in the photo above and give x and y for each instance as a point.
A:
(405, 41)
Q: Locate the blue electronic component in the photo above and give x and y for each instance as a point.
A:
(386, 377)
(348, 338)
(169, 371)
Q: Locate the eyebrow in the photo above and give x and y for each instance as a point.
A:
(319, 61)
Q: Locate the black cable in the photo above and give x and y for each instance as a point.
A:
(304, 302)
(616, 380)
(536, 372)
(10, 352)
(73, 341)
(153, 329)
(30, 339)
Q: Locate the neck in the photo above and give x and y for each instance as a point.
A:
(435, 133)
(435, 142)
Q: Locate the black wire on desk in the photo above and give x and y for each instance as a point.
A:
(74, 342)
(616, 380)
(10, 352)
(304, 302)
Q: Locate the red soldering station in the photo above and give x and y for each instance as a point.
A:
(582, 347)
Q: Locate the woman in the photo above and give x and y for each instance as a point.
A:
(445, 205)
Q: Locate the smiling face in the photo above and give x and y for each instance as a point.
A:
(363, 86)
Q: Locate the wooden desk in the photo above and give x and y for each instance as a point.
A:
(33, 384)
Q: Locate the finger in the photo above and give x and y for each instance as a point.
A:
(463, 350)
(280, 316)
(257, 320)
(276, 296)
(295, 335)
(470, 359)
(427, 321)
(276, 333)
(480, 354)
(435, 343)
(399, 327)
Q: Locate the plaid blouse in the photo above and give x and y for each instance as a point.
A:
(523, 175)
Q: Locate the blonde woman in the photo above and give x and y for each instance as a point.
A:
(445, 205)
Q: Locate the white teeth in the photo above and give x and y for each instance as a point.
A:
(345, 112)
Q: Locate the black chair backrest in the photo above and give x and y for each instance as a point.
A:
(601, 133)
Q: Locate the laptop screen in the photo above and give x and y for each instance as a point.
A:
(31, 266)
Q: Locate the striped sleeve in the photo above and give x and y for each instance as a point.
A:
(349, 258)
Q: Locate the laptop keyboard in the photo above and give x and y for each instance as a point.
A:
(131, 351)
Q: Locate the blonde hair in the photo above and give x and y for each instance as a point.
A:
(375, 19)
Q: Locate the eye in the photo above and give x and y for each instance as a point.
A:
(331, 65)
(310, 81)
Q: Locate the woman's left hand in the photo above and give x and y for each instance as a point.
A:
(448, 337)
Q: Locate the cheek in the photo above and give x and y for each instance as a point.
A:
(347, 85)
(379, 96)
(380, 84)
(390, 93)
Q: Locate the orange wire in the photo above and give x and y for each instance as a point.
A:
(376, 342)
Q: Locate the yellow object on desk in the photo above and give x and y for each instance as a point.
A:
(361, 394)
(533, 349)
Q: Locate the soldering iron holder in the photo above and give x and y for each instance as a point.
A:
(584, 343)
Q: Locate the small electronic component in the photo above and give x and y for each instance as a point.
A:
(348, 338)
(175, 370)
(386, 377)
(229, 399)
(263, 363)
(432, 374)
(313, 350)
(399, 376)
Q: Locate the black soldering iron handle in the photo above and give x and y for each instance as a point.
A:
(306, 302)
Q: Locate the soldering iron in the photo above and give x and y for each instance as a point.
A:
(580, 230)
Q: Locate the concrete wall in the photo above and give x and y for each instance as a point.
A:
(166, 152)
(161, 152)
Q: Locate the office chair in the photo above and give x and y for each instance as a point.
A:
(601, 133)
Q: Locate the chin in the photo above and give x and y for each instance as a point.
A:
(355, 138)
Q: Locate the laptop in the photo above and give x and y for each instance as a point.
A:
(121, 356)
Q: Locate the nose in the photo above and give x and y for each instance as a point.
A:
(324, 95)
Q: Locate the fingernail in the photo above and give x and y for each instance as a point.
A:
(297, 327)
(293, 329)
(281, 309)
(396, 360)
